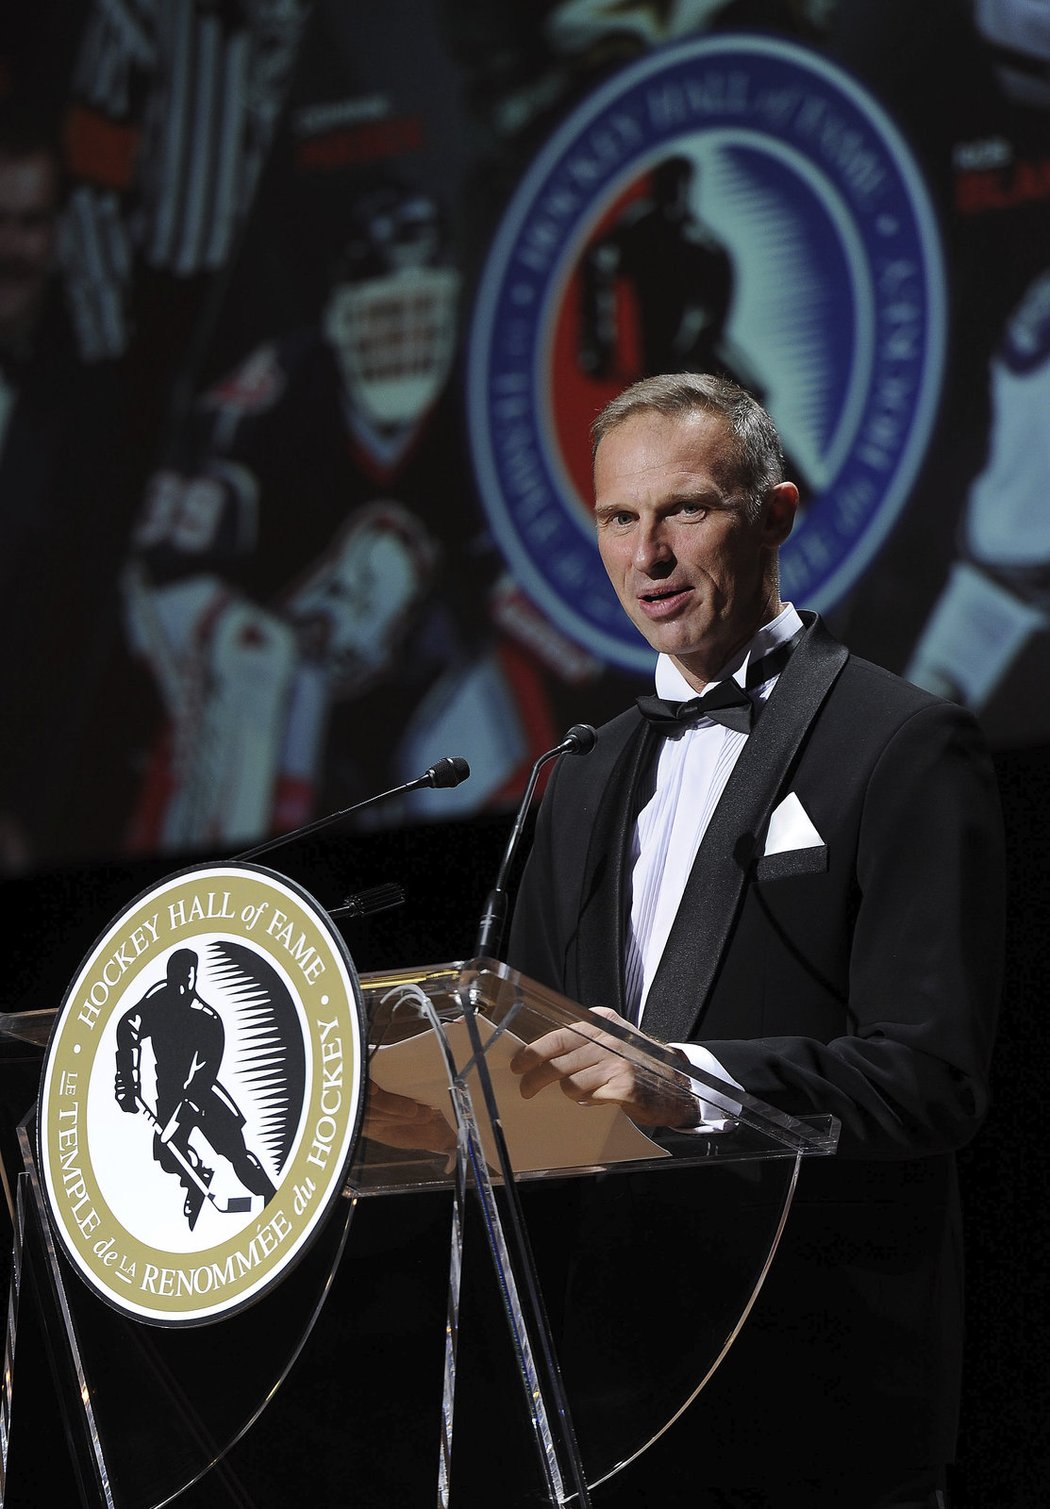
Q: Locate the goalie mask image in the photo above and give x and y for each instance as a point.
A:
(188, 1041)
(391, 312)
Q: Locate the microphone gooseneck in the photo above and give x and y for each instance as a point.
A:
(580, 739)
(451, 771)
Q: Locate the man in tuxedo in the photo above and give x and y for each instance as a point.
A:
(795, 879)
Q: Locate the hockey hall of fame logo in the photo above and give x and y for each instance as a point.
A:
(201, 1094)
(735, 204)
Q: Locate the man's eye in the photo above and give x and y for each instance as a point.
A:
(693, 510)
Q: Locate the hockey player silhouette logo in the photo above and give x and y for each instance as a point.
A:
(188, 1041)
(201, 1094)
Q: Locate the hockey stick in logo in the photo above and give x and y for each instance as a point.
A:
(234, 1205)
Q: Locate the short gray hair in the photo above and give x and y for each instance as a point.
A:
(756, 458)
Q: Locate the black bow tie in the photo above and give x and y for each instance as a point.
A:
(727, 703)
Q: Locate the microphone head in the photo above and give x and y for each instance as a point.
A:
(581, 738)
(451, 771)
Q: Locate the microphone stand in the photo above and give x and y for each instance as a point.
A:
(529, 1321)
(580, 740)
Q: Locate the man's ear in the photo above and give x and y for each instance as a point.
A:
(778, 512)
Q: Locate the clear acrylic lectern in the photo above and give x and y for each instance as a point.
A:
(593, 1232)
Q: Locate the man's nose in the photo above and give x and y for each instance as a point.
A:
(652, 548)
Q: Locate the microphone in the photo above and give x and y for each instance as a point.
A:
(580, 739)
(451, 771)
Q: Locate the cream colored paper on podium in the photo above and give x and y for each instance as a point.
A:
(549, 1131)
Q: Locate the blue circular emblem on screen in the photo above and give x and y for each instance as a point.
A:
(736, 204)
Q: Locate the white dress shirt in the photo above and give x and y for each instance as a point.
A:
(688, 778)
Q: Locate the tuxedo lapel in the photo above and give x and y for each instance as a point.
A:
(712, 894)
(600, 939)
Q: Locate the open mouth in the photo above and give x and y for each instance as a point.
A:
(664, 603)
(663, 595)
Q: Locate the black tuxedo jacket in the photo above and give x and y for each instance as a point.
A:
(860, 978)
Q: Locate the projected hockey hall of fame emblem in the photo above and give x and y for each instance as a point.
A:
(734, 204)
(201, 1094)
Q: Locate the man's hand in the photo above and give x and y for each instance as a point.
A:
(397, 1121)
(589, 1065)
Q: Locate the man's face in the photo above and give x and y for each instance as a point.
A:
(693, 573)
(28, 195)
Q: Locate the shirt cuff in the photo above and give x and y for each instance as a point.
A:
(716, 1111)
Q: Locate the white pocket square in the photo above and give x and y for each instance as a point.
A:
(790, 828)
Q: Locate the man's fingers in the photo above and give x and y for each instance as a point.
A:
(540, 1076)
(613, 1016)
(609, 1083)
(552, 1045)
(582, 1067)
